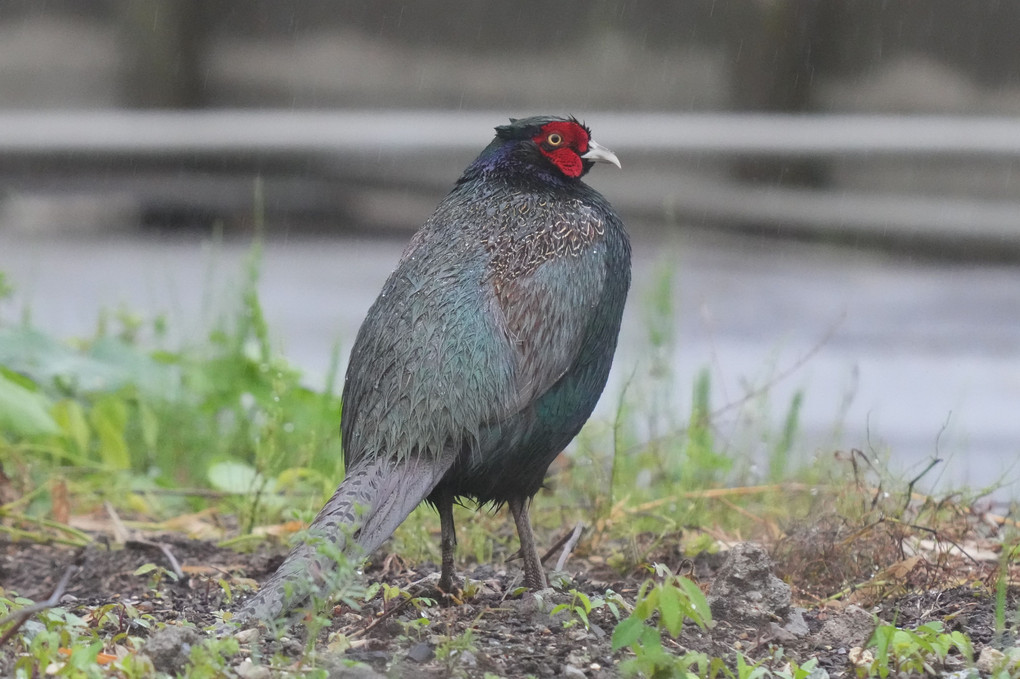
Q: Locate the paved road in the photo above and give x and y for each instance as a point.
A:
(889, 353)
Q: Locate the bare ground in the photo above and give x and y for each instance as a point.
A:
(842, 578)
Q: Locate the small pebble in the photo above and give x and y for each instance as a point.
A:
(990, 659)
(860, 657)
(248, 670)
(421, 652)
(246, 636)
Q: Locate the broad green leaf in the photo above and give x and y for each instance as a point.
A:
(627, 632)
(647, 600)
(71, 417)
(50, 363)
(107, 365)
(150, 426)
(670, 609)
(583, 616)
(24, 412)
(585, 601)
(236, 477)
(702, 613)
(127, 364)
(109, 420)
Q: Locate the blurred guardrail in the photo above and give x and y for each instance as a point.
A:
(244, 132)
(209, 157)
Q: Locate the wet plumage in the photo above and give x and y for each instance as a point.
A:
(483, 355)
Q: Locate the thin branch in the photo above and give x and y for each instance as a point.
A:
(754, 392)
(175, 566)
(382, 616)
(910, 486)
(799, 363)
(562, 540)
(121, 534)
(569, 547)
(22, 615)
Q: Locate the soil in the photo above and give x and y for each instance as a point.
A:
(513, 634)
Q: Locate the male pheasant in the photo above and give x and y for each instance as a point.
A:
(482, 357)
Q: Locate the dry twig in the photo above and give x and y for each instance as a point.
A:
(22, 615)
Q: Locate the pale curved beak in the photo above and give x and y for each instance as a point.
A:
(600, 154)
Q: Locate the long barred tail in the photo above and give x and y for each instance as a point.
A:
(366, 508)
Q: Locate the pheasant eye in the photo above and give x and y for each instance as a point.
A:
(554, 139)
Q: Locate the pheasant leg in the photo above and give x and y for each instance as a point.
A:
(534, 576)
(447, 541)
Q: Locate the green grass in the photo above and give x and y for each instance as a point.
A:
(119, 417)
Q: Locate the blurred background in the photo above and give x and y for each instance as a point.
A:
(822, 192)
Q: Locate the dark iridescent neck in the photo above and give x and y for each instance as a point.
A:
(516, 162)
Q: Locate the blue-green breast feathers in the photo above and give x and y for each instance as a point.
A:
(493, 336)
(429, 365)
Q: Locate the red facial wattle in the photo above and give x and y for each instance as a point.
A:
(563, 142)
